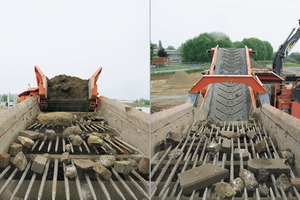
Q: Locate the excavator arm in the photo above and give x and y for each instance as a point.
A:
(284, 49)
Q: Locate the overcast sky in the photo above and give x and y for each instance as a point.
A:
(75, 38)
(175, 21)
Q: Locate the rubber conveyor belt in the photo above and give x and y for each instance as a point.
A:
(230, 101)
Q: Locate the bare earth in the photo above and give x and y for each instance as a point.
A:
(171, 90)
(168, 91)
(2, 109)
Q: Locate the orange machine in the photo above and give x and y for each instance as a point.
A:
(263, 87)
(47, 105)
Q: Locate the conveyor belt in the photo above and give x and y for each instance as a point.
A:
(229, 101)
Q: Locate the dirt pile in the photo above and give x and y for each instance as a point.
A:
(55, 118)
(181, 78)
(66, 88)
(256, 65)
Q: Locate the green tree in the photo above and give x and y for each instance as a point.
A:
(295, 56)
(162, 53)
(4, 98)
(238, 44)
(263, 48)
(270, 53)
(152, 47)
(170, 47)
(194, 50)
(159, 45)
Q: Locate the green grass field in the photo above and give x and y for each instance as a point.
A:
(175, 66)
(270, 62)
(189, 71)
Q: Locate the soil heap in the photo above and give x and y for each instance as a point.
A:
(67, 88)
(181, 78)
(256, 65)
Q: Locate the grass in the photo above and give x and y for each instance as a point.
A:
(175, 66)
(189, 71)
(292, 65)
(270, 62)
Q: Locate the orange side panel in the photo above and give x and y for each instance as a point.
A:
(94, 85)
(205, 80)
(41, 82)
(296, 109)
(251, 90)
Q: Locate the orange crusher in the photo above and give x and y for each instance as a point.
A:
(231, 89)
(46, 104)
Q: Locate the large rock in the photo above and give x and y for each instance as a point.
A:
(134, 163)
(38, 164)
(25, 141)
(107, 160)
(273, 165)
(65, 158)
(229, 134)
(20, 161)
(288, 156)
(261, 146)
(213, 148)
(250, 182)
(296, 182)
(263, 191)
(30, 134)
(251, 135)
(224, 190)
(241, 152)
(283, 182)
(238, 185)
(15, 148)
(176, 153)
(75, 130)
(144, 166)
(95, 141)
(68, 148)
(201, 177)
(84, 163)
(41, 136)
(51, 135)
(55, 118)
(4, 160)
(102, 171)
(71, 171)
(123, 167)
(226, 146)
(77, 141)
(263, 175)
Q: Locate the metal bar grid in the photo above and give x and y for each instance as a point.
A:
(164, 170)
(134, 186)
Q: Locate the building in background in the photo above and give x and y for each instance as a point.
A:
(174, 55)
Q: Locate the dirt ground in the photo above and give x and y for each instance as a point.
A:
(2, 109)
(171, 90)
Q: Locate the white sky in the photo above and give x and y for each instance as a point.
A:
(75, 38)
(175, 21)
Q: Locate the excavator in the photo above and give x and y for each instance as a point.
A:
(231, 89)
(287, 96)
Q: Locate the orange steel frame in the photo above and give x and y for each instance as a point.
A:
(41, 91)
(253, 82)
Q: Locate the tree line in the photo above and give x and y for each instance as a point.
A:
(194, 50)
